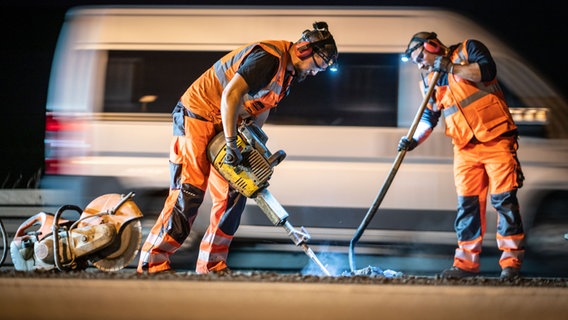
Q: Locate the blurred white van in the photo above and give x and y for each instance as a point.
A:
(118, 72)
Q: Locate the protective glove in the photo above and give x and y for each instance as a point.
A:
(233, 156)
(443, 64)
(405, 144)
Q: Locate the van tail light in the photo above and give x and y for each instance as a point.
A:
(52, 127)
(62, 141)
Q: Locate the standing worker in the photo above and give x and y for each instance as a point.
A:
(245, 83)
(484, 136)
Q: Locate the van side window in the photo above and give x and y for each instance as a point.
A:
(363, 92)
(132, 76)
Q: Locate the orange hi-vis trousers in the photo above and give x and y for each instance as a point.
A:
(480, 168)
(191, 175)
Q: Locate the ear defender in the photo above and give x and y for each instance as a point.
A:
(432, 46)
(303, 50)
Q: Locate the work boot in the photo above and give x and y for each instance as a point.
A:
(221, 273)
(510, 273)
(157, 273)
(457, 273)
(163, 272)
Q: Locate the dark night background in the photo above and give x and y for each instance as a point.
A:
(30, 29)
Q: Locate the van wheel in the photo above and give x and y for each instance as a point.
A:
(547, 235)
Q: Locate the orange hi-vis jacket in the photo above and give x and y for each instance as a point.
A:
(472, 110)
(204, 99)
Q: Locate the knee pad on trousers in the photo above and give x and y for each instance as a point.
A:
(185, 211)
(507, 206)
(468, 219)
(232, 217)
(189, 201)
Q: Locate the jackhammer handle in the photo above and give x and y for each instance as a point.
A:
(394, 168)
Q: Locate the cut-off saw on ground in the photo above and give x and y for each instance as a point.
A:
(107, 235)
(251, 176)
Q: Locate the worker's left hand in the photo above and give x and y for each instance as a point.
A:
(443, 64)
(407, 144)
(233, 155)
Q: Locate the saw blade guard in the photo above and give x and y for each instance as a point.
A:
(124, 215)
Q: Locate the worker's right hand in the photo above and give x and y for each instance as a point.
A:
(405, 144)
(443, 64)
(233, 155)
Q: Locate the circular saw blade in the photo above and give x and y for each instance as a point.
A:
(120, 254)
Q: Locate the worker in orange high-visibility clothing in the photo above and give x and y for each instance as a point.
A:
(245, 83)
(485, 138)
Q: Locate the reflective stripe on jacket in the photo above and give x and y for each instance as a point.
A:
(472, 109)
(203, 97)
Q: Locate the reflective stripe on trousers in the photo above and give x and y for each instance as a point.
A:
(478, 169)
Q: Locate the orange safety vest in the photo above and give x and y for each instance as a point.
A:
(203, 97)
(472, 109)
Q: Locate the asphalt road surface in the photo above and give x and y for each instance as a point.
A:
(125, 295)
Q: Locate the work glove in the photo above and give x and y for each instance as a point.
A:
(443, 64)
(405, 144)
(233, 156)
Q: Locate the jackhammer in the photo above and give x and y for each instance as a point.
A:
(250, 178)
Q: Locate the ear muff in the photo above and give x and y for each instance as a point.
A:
(432, 46)
(303, 50)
